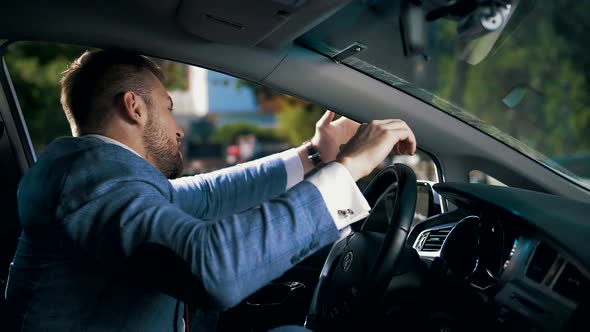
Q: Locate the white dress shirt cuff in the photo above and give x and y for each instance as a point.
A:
(344, 200)
(293, 167)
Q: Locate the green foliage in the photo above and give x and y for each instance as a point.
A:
(296, 120)
(176, 75)
(297, 124)
(35, 70)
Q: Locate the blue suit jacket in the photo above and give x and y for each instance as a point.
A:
(109, 244)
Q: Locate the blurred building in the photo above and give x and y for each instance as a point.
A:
(225, 96)
(212, 100)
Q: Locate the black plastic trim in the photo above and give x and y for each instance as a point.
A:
(16, 114)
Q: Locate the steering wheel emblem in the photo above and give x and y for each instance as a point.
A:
(347, 261)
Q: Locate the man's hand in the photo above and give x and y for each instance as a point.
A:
(330, 135)
(371, 144)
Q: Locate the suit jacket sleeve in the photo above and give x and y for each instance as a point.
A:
(231, 190)
(230, 257)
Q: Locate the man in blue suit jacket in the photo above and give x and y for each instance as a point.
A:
(109, 243)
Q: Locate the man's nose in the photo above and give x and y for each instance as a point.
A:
(179, 133)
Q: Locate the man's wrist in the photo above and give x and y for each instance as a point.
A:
(305, 162)
(349, 164)
(313, 154)
(310, 157)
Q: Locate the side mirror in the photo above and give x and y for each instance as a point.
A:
(482, 26)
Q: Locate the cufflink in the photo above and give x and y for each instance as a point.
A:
(345, 213)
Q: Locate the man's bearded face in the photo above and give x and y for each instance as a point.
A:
(164, 150)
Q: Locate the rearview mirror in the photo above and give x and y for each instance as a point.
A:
(482, 26)
(520, 94)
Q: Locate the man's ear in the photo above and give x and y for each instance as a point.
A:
(134, 108)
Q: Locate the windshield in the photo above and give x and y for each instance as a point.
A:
(530, 90)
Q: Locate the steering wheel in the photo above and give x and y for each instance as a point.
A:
(359, 267)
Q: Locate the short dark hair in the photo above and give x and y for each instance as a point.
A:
(92, 83)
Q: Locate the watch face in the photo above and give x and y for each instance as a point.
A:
(314, 155)
(315, 158)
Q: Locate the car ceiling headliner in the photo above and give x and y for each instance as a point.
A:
(156, 28)
(147, 27)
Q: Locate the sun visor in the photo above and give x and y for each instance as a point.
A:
(238, 22)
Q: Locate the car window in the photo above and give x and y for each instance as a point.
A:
(226, 120)
(526, 84)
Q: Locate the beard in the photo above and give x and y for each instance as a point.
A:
(164, 151)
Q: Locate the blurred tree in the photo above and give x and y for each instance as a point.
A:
(35, 69)
(297, 124)
(296, 118)
(176, 74)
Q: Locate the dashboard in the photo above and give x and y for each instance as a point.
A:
(523, 252)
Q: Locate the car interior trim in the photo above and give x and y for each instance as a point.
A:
(10, 109)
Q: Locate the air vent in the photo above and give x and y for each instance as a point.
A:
(572, 284)
(432, 240)
(541, 262)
